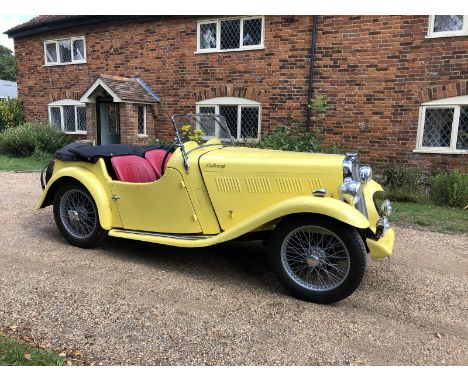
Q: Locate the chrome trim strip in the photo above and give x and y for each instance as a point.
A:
(169, 236)
(319, 192)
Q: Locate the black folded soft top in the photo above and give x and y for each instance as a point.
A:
(79, 151)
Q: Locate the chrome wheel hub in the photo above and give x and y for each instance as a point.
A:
(73, 216)
(313, 261)
(315, 258)
(78, 213)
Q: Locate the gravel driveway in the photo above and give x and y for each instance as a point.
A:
(136, 303)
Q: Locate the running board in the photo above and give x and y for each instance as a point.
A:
(164, 238)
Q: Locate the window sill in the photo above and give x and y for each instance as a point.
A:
(439, 151)
(256, 47)
(66, 63)
(75, 132)
(143, 136)
(447, 34)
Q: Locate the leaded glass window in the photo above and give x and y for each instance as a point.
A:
(208, 33)
(437, 127)
(448, 25)
(68, 115)
(230, 34)
(65, 51)
(443, 126)
(242, 117)
(141, 120)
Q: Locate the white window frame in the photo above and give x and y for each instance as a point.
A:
(67, 102)
(432, 34)
(454, 103)
(57, 49)
(233, 101)
(145, 132)
(218, 35)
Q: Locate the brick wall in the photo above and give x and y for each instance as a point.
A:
(373, 71)
(376, 71)
(161, 52)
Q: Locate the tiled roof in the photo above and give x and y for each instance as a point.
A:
(130, 89)
(48, 23)
(41, 20)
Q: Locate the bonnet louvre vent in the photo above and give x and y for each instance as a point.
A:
(228, 184)
(258, 185)
(290, 185)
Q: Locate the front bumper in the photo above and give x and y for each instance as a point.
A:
(382, 247)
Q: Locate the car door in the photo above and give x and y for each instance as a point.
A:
(161, 206)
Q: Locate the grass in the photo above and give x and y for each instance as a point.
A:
(9, 163)
(14, 353)
(435, 218)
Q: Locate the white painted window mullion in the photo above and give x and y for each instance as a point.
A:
(239, 121)
(455, 123)
(76, 120)
(72, 50)
(216, 125)
(422, 118)
(263, 33)
(241, 39)
(62, 119)
(144, 120)
(259, 122)
(218, 34)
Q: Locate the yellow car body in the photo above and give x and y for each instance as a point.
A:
(316, 212)
(228, 192)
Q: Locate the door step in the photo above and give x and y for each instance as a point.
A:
(178, 240)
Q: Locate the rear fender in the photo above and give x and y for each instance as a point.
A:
(90, 181)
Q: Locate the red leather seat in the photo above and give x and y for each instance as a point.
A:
(134, 169)
(156, 157)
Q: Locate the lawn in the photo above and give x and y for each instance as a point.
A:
(14, 353)
(8, 163)
(434, 218)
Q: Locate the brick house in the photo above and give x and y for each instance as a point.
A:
(397, 86)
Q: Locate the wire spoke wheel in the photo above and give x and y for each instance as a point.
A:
(78, 214)
(315, 258)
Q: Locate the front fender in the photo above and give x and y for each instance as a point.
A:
(90, 181)
(326, 206)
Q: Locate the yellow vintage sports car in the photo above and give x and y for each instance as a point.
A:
(316, 212)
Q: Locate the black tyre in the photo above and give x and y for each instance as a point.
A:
(76, 215)
(317, 259)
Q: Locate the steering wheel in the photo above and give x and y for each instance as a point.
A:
(163, 164)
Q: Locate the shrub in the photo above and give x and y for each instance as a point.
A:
(284, 138)
(450, 188)
(32, 138)
(405, 184)
(11, 113)
(292, 139)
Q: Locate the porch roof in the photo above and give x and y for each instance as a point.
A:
(122, 89)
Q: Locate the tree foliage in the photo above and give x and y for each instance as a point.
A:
(11, 113)
(7, 64)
